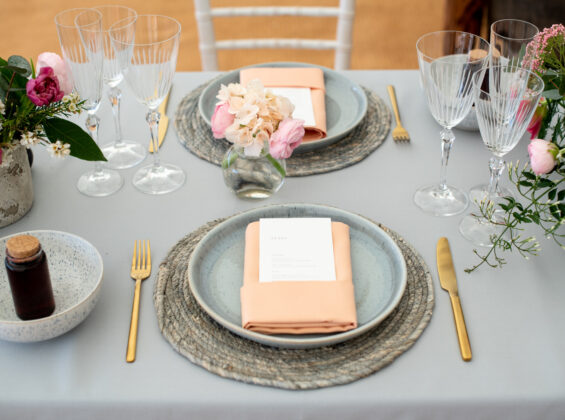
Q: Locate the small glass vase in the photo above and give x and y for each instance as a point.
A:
(253, 177)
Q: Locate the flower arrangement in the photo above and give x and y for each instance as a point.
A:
(31, 101)
(540, 183)
(258, 121)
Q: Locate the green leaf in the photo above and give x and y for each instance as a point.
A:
(552, 94)
(19, 65)
(529, 175)
(525, 183)
(535, 217)
(82, 145)
(561, 195)
(545, 183)
(276, 164)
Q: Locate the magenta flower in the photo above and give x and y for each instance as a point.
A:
(542, 156)
(221, 120)
(44, 89)
(288, 137)
(53, 60)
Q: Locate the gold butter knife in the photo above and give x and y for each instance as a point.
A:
(163, 123)
(448, 282)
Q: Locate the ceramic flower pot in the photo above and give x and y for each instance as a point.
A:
(252, 177)
(16, 187)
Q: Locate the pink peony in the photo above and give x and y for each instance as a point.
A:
(44, 89)
(537, 119)
(221, 120)
(288, 137)
(542, 156)
(49, 59)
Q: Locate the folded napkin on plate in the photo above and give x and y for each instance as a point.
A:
(298, 307)
(295, 77)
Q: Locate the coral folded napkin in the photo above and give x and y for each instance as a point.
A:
(295, 77)
(298, 307)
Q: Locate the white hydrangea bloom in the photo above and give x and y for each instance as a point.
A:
(59, 149)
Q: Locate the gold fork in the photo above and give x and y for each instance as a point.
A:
(140, 270)
(399, 133)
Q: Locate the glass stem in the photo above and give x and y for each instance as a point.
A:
(153, 118)
(115, 95)
(92, 124)
(496, 165)
(447, 138)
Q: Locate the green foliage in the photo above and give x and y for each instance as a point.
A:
(82, 146)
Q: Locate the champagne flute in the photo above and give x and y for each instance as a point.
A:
(80, 37)
(508, 41)
(149, 48)
(505, 99)
(448, 60)
(120, 153)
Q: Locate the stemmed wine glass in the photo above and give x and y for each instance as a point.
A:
(505, 99)
(508, 41)
(149, 48)
(120, 153)
(448, 60)
(80, 37)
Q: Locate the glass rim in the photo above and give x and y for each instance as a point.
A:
(513, 68)
(492, 31)
(119, 25)
(429, 34)
(76, 10)
(115, 6)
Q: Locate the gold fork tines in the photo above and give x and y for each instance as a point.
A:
(399, 133)
(140, 270)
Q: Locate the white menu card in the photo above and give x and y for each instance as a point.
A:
(296, 249)
(301, 98)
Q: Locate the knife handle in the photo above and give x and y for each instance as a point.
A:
(462, 336)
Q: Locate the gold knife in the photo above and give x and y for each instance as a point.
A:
(163, 123)
(448, 282)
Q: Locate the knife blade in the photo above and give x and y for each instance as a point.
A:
(448, 282)
(163, 123)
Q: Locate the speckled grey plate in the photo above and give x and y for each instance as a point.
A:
(346, 102)
(215, 273)
(75, 268)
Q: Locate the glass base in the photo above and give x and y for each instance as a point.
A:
(100, 183)
(125, 154)
(159, 179)
(448, 202)
(480, 192)
(479, 230)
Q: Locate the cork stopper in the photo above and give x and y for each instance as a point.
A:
(22, 246)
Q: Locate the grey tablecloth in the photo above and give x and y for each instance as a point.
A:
(515, 316)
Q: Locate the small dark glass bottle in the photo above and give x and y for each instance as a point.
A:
(28, 274)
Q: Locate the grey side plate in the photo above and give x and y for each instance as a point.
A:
(216, 273)
(346, 103)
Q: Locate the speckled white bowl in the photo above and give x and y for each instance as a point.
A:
(75, 268)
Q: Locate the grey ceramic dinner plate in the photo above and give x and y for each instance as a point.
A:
(215, 273)
(346, 103)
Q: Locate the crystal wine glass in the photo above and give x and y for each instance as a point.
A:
(448, 60)
(508, 41)
(80, 37)
(149, 47)
(505, 99)
(120, 153)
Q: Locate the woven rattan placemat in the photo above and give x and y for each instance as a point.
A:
(195, 335)
(195, 134)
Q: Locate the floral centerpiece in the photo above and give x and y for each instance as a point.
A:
(541, 182)
(32, 102)
(260, 126)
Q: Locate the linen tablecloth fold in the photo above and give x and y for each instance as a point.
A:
(295, 77)
(298, 307)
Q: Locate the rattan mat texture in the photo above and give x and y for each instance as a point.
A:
(195, 335)
(195, 134)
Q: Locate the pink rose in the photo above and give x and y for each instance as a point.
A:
(221, 120)
(44, 89)
(288, 137)
(537, 119)
(49, 59)
(542, 156)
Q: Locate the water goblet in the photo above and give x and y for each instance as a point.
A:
(149, 48)
(80, 38)
(448, 60)
(120, 153)
(508, 41)
(505, 99)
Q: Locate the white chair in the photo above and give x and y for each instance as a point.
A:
(209, 46)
